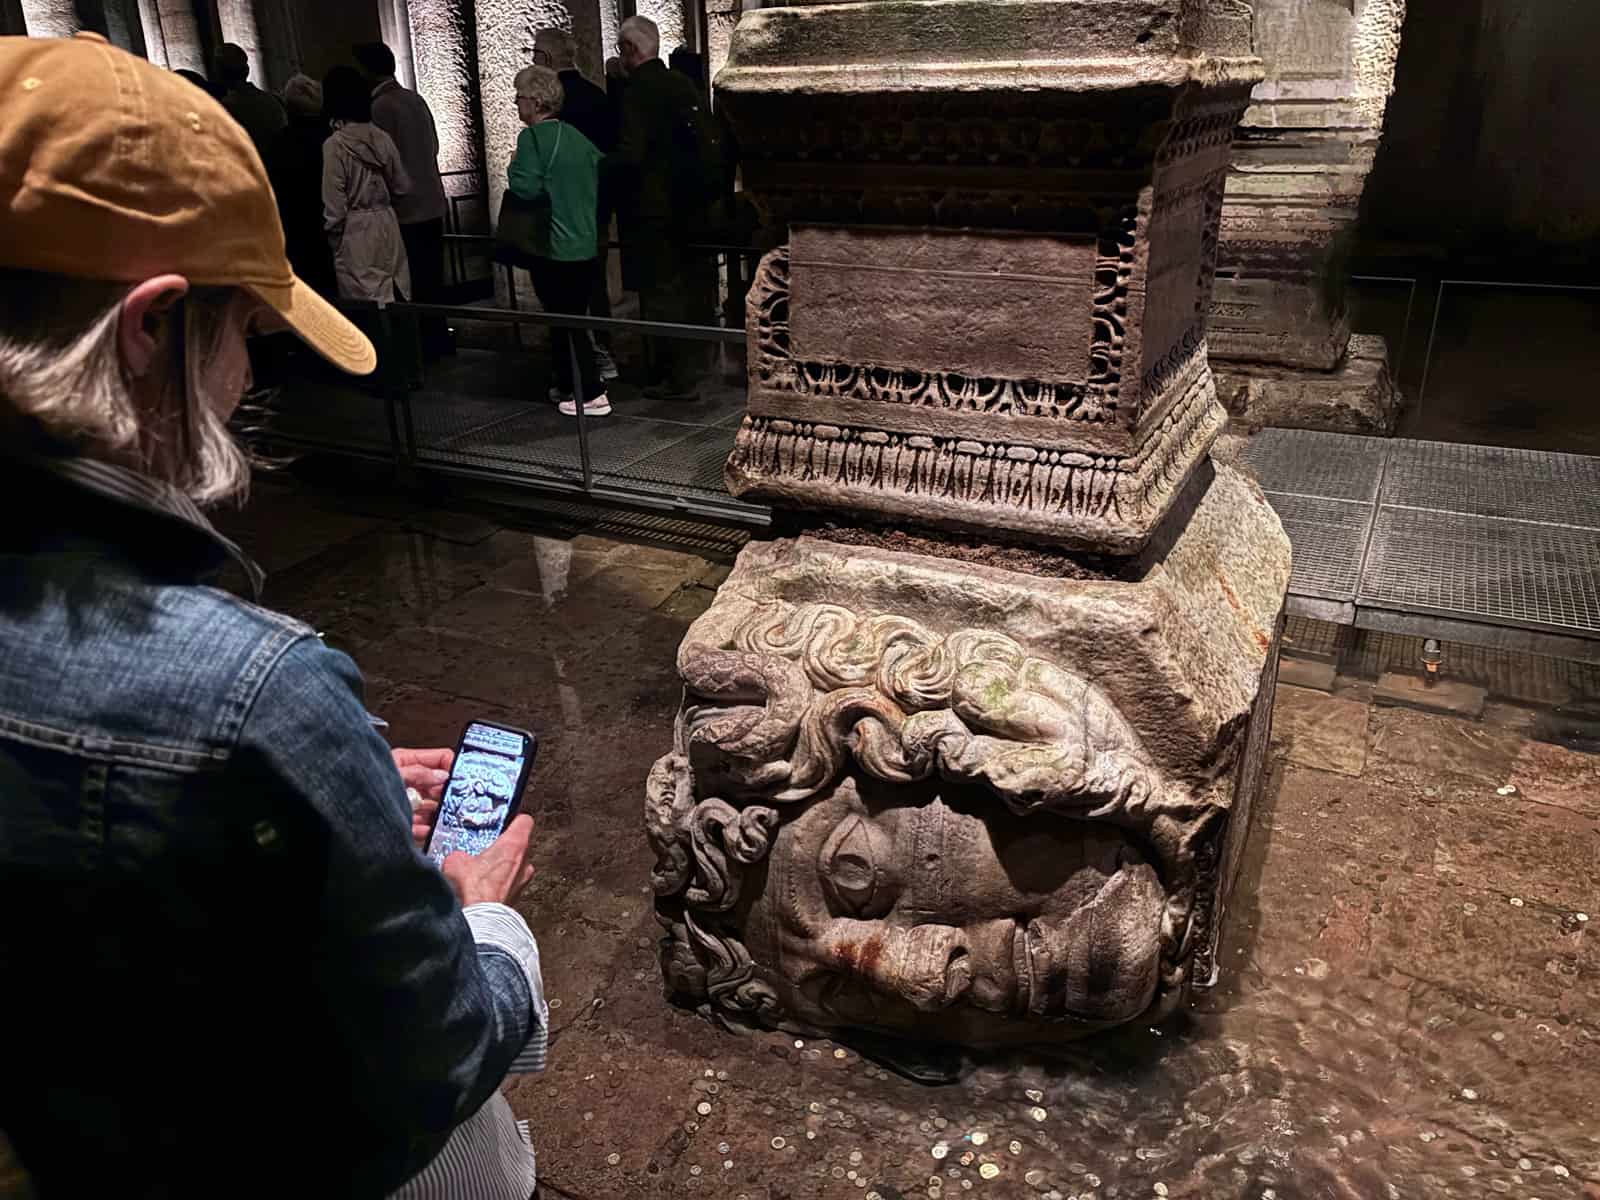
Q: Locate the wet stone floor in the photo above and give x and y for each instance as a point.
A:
(1411, 1005)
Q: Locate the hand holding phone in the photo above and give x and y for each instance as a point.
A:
(496, 875)
(492, 763)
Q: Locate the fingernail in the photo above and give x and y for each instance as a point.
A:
(438, 776)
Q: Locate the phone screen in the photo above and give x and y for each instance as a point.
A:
(491, 765)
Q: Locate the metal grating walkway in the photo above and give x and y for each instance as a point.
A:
(1478, 544)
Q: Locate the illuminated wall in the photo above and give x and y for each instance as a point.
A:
(668, 16)
(171, 35)
(51, 18)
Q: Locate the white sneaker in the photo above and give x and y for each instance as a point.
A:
(600, 406)
(605, 366)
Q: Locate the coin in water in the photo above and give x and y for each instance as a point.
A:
(1015, 1147)
(694, 1170)
(940, 1149)
(1038, 1114)
(989, 1170)
(966, 1159)
(1034, 1094)
(778, 1143)
(979, 1137)
(703, 1108)
(1034, 1177)
(613, 1159)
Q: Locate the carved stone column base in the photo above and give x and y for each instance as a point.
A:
(931, 794)
(1358, 396)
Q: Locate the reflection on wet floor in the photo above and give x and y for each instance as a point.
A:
(1409, 1007)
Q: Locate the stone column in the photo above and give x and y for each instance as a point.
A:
(968, 748)
(394, 26)
(444, 44)
(51, 18)
(265, 30)
(671, 19)
(1281, 339)
(171, 35)
(610, 27)
(721, 17)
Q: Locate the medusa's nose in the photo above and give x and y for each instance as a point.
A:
(929, 966)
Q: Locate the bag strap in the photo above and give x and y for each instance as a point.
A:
(554, 151)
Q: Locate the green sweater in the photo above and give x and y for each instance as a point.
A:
(554, 157)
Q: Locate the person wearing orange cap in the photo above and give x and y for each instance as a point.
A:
(229, 971)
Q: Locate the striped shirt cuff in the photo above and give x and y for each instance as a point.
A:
(500, 927)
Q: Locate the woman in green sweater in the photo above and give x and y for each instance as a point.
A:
(553, 159)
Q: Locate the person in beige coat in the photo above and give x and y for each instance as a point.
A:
(361, 176)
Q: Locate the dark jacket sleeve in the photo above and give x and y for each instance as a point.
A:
(432, 1025)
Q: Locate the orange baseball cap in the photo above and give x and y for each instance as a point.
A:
(111, 168)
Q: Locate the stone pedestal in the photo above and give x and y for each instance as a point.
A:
(967, 754)
(1280, 330)
(1356, 396)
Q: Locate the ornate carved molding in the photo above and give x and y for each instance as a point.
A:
(1107, 501)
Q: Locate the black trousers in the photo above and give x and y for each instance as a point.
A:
(424, 241)
(673, 288)
(563, 287)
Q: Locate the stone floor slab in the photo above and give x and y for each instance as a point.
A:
(1448, 696)
(1326, 733)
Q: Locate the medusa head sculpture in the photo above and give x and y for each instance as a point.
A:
(864, 823)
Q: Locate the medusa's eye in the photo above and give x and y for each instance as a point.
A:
(851, 864)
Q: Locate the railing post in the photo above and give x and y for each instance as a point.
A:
(397, 402)
(578, 403)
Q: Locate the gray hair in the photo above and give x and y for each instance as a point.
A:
(559, 44)
(542, 86)
(303, 95)
(63, 385)
(643, 35)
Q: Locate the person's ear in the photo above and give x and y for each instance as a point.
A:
(143, 310)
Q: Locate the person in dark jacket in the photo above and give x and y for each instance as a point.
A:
(589, 110)
(260, 113)
(655, 259)
(294, 164)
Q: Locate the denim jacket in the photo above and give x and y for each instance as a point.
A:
(224, 968)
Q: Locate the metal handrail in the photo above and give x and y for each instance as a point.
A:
(518, 316)
(488, 242)
(1438, 306)
(402, 429)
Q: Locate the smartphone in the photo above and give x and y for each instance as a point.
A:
(481, 796)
